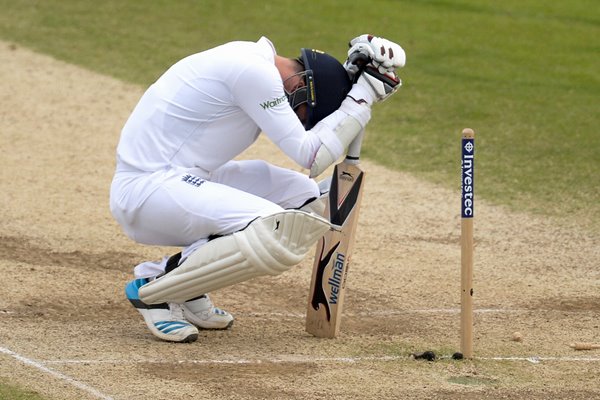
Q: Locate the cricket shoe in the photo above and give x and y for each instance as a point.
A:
(202, 313)
(166, 320)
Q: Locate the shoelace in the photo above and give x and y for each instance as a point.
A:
(208, 309)
(176, 311)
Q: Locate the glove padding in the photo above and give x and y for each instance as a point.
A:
(378, 86)
(383, 54)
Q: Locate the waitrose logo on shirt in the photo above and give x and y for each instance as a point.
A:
(272, 103)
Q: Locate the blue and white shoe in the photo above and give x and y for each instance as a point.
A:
(165, 320)
(202, 313)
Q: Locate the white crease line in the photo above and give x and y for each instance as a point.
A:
(537, 360)
(386, 312)
(453, 311)
(308, 359)
(440, 311)
(56, 374)
(282, 360)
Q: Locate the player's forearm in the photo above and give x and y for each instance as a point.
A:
(337, 131)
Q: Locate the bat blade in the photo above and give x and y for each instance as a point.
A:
(333, 254)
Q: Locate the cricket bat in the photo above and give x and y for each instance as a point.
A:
(334, 250)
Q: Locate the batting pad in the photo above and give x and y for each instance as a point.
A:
(317, 206)
(269, 245)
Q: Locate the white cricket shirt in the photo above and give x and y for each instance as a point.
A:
(209, 107)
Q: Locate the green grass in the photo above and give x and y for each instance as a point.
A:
(523, 74)
(10, 392)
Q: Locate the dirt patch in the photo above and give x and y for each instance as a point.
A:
(66, 330)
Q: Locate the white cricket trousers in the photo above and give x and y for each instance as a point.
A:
(184, 207)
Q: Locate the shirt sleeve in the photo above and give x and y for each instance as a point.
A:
(258, 90)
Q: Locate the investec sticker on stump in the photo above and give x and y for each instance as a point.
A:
(467, 175)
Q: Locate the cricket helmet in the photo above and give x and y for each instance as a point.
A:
(327, 84)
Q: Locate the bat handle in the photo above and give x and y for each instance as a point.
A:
(353, 154)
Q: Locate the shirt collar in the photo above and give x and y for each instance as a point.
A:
(268, 48)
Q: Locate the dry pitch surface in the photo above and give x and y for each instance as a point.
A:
(67, 332)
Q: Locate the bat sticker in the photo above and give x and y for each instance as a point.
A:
(319, 296)
(340, 212)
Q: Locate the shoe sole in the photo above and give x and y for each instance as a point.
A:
(229, 325)
(190, 339)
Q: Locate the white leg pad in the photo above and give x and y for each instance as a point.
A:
(270, 245)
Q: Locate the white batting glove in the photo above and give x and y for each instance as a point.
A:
(385, 55)
(373, 86)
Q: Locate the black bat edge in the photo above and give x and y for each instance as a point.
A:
(339, 215)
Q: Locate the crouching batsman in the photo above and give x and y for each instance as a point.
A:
(177, 184)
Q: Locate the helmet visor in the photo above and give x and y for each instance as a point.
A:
(304, 92)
